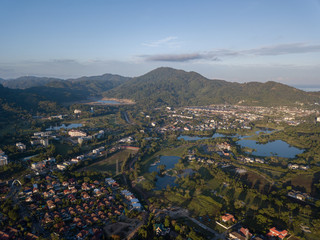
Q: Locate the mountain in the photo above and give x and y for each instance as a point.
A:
(46, 95)
(167, 86)
(27, 82)
(94, 85)
(160, 87)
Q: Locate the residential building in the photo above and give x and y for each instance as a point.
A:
(3, 158)
(21, 146)
(276, 233)
(77, 133)
(228, 217)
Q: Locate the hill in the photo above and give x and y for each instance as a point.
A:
(160, 87)
(167, 86)
(93, 86)
(27, 82)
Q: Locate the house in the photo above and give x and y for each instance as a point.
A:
(136, 206)
(236, 236)
(293, 166)
(160, 229)
(44, 142)
(3, 158)
(276, 233)
(61, 167)
(228, 217)
(21, 146)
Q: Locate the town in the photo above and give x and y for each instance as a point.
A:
(120, 172)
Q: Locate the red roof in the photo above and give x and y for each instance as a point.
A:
(227, 217)
(245, 231)
(276, 233)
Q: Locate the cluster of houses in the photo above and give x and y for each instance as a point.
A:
(300, 196)
(50, 162)
(41, 138)
(251, 160)
(297, 166)
(75, 207)
(243, 233)
(133, 201)
(39, 166)
(13, 233)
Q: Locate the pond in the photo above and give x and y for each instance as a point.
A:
(169, 161)
(165, 180)
(277, 148)
(69, 126)
(162, 182)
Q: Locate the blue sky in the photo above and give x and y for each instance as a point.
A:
(247, 40)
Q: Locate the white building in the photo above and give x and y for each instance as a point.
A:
(21, 146)
(44, 142)
(3, 158)
(77, 133)
(77, 111)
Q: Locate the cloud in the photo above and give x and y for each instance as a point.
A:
(168, 41)
(175, 57)
(218, 54)
(282, 49)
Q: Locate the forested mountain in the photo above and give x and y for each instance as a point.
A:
(27, 82)
(94, 85)
(167, 86)
(46, 95)
(162, 86)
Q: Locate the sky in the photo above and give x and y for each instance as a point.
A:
(233, 40)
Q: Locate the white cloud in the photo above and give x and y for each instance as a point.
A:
(218, 54)
(168, 41)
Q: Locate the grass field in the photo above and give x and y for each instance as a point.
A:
(108, 165)
(303, 181)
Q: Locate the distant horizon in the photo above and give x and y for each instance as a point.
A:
(241, 41)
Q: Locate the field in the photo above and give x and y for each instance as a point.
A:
(108, 165)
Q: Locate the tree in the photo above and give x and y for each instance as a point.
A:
(143, 232)
(161, 168)
(166, 222)
(13, 215)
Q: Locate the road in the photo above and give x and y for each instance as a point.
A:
(181, 212)
(125, 115)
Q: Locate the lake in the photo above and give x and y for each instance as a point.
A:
(69, 126)
(276, 148)
(162, 182)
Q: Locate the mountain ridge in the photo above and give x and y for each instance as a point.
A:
(161, 87)
(167, 86)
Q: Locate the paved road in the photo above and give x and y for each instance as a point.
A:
(185, 213)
